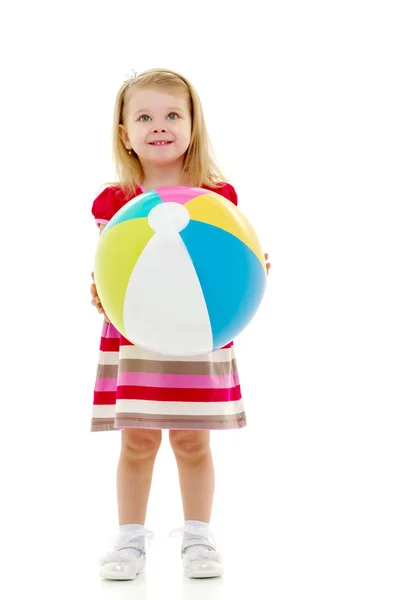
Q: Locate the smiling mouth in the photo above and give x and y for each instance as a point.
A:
(164, 143)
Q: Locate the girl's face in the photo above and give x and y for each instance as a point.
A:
(153, 116)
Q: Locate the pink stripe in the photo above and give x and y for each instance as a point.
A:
(101, 221)
(185, 193)
(109, 331)
(168, 380)
(104, 384)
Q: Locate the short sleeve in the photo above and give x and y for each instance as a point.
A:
(105, 206)
(229, 192)
(232, 195)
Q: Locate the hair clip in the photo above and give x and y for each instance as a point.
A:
(131, 77)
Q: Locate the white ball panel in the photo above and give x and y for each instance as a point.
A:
(164, 308)
(169, 217)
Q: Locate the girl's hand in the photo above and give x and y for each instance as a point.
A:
(96, 300)
(268, 265)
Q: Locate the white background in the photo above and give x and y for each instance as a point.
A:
(302, 105)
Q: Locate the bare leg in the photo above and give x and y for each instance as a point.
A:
(196, 473)
(139, 449)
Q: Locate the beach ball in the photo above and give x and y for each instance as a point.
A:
(180, 271)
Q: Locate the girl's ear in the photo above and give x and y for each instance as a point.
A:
(123, 134)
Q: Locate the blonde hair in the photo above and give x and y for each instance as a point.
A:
(199, 166)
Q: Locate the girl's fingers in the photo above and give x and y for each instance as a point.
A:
(95, 299)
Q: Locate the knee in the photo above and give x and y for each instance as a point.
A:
(140, 443)
(188, 443)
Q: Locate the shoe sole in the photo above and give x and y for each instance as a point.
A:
(204, 574)
(122, 576)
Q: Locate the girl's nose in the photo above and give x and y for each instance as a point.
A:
(158, 131)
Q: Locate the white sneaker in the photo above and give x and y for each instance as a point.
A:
(121, 564)
(202, 560)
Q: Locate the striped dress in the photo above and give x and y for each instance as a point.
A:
(141, 389)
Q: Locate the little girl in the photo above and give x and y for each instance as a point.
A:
(160, 139)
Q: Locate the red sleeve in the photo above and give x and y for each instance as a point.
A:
(228, 192)
(232, 194)
(105, 205)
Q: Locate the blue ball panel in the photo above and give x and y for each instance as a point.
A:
(136, 208)
(232, 278)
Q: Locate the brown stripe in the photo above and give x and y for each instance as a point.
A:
(236, 421)
(108, 371)
(103, 425)
(145, 421)
(131, 365)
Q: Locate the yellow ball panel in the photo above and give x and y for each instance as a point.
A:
(207, 209)
(117, 253)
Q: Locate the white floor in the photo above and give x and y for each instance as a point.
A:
(307, 520)
(164, 579)
(304, 563)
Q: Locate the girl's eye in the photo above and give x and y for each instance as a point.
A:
(145, 118)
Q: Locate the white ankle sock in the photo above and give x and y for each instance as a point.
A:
(133, 529)
(204, 529)
(198, 524)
